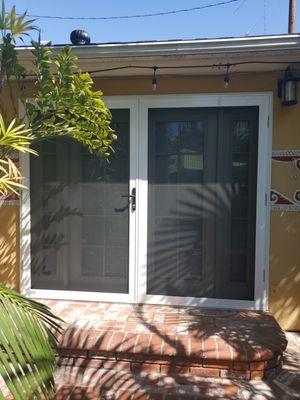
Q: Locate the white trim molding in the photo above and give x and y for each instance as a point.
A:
(139, 106)
(221, 46)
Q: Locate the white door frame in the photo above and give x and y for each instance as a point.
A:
(130, 103)
(139, 106)
(265, 103)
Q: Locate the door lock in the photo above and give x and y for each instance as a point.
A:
(132, 198)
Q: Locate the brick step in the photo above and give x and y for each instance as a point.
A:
(115, 384)
(150, 352)
(93, 383)
(185, 368)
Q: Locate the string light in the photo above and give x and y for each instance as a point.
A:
(226, 77)
(155, 68)
(154, 80)
(199, 66)
(196, 66)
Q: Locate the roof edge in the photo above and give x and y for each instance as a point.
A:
(180, 47)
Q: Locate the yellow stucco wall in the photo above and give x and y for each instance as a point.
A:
(284, 269)
(9, 246)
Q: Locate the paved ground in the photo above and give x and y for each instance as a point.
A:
(286, 386)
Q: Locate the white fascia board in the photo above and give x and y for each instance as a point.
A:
(239, 46)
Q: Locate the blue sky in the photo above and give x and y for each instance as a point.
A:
(254, 17)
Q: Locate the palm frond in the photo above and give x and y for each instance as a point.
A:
(17, 25)
(4, 25)
(26, 346)
(10, 178)
(15, 137)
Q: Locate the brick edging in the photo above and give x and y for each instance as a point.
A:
(204, 367)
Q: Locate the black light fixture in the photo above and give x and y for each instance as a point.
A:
(287, 88)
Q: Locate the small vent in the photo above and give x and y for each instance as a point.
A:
(80, 37)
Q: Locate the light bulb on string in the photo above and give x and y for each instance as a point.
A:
(226, 77)
(154, 80)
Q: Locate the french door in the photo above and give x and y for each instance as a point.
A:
(82, 211)
(202, 177)
(172, 218)
(204, 174)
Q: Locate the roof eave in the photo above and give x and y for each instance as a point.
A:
(244, 45)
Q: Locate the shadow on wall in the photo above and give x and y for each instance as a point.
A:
(9, 246)
(284, 285)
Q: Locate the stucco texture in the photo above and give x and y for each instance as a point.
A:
(9, 246)
(284, 268)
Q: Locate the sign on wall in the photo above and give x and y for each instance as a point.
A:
(280, 201)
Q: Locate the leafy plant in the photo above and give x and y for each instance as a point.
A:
(17, 26)
(12, 28)
(26, 346)
(26, 327)
(65, 103)
(13, 139)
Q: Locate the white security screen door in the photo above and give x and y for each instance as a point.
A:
(202, 176)
(177, 216)
(203, 214)
(83, 216)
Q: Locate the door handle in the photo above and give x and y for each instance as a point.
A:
(132, 198)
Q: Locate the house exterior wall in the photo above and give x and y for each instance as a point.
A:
(284, 266)
(9, 246)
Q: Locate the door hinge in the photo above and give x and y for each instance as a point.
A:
(268, 121)
(264, 275)
(266, 199)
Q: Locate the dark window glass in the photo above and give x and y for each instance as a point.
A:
(202, 202)
(79, 218)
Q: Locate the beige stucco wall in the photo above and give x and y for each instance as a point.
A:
(9, 246)
(284, 269)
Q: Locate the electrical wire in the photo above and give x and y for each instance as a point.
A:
(163, 67)
(147, 15)
(239, 7)
(156, 68)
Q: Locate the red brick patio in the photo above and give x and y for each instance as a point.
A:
(156, 352)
